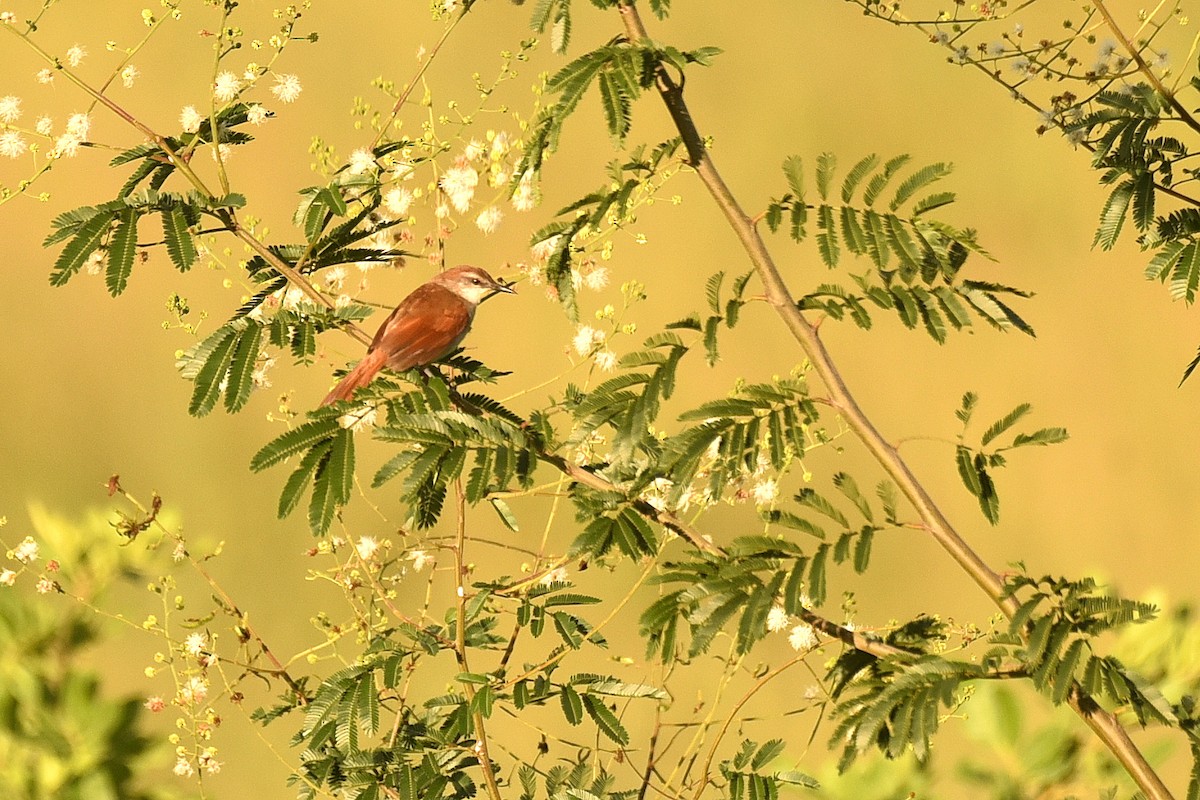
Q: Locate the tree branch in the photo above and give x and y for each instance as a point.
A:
(1104, 724)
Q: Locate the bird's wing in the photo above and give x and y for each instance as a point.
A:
(426, 325)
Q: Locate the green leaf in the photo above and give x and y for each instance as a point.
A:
(1112, 217)
(298, 481)
(856, 174)
(208, 379)
(341, 466)
(827, 240)
(294, 441)
(1045, 436)
(572, 705)
(505, 513)
(180, 247)
(879, 182)
(917, 181)
(80, 248)
(826, 166)
(605, 720)
(849, 488)
(793, 168)
(1186, 275)
(816, 502)
(241, 368)
(966, 470)
(122, 249)
(323, 503)
(1004, 423)
(616, 105)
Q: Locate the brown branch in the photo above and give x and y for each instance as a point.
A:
(1104, 724)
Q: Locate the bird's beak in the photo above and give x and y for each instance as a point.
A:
(505, 288)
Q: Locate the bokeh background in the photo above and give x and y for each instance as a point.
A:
(90, 387)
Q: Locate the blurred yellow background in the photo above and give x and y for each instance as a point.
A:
(91, 389)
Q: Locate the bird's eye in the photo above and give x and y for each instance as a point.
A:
(476, 281)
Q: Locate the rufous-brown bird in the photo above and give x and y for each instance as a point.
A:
(426, 326)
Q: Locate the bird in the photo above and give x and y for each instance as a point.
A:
(427, 325)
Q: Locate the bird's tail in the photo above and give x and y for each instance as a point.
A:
(356, 378)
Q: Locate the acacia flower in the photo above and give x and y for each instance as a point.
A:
(10, 108)
(194, 644)
(76, 54)
(545, 248)
(128, 75)
(193, 691)
(419, 558)
(473, 150)
(26, 551)
(766, 492)
(12, 145)
(226, 86)
(489, 219)
(523, 198)
(256, 114)
(45, 76)
(79, 125)
(585, 338)
(7, 17)
(606, 360)
(183, 767)
(44, 125)
(397, 201)
(154, 704)
(7, 577)
(459, 184)
(208, 761)
(556, 575)
(45, 586)
(777, 618)
(803, 637)
(361, 160)
(596, 279)
(190, 119)
(287, 88)
(367, 547)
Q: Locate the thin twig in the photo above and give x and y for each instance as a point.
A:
(1104, 724)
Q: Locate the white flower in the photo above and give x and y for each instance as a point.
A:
(194, 691)
(293, 297)
(256, 114)
(190, 119)
(489, 219)
(226, 86)
(94, 263)
(585, 337)
(7, 17)
(499, 145)
(473, 150)
(367, 547)
(208, 760)
(523, 198)
(777, 618)
(459, 185)
(222, 152)
(44, 125)
(179, 553)
(597, 279)
(606, 360)
(183, 767)
(766, 492)
(8, 577)
(76, 54)
(811, 692)
(803, 637)
(259, 377)
(26, 551)
(287, 88)
(360, 161)
(45, 76)
(545, 248)
(403, 170)
(12, 145)
(128, 75)
(79, 125)
(397, 201)
(45, 586)
(335, 276)
(194, 644)
(419, 558)
(10, 108)
(556, 575)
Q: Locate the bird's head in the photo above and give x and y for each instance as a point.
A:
(471, 284)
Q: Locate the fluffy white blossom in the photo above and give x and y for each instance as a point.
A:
(766, 492)
(287, 88)
(397, 201)
(7, 577)
(473, 150)
(195, 644)
(459, 184)
(596, 279)
(10, 108)
(585, 338)
(45, 76)
(44, 125)
(183, 767)
(361, 161)
(523, 198)
(489, 219)
(226, 86)
(606, 360)
(190, 119)
(803, 637)
(367, 547)
(26, 551)
(556, 575)
(129, 74)
(777, 618)
(256, 114)
(419, 559)
(12, 144)
(76, 55)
